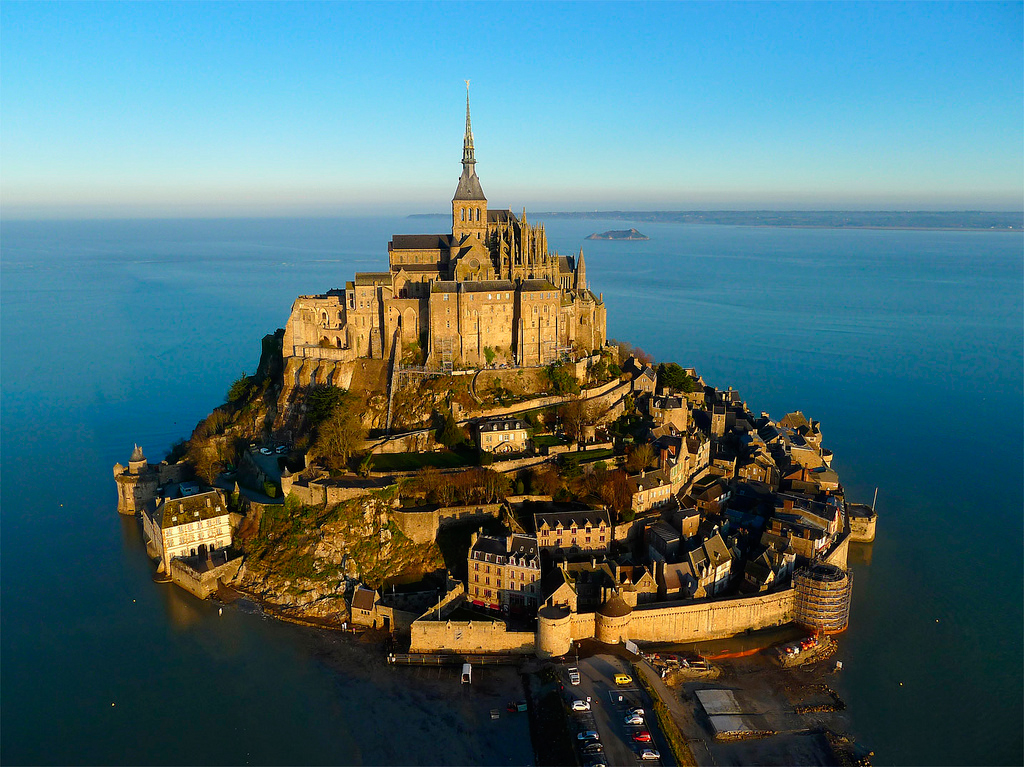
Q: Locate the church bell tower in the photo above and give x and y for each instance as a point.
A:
(469, 206)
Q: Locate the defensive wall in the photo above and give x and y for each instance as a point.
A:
(469, 637)
(557, 627)
(421, 525)
(203, 583)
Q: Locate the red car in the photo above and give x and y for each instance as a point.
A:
(642, 737)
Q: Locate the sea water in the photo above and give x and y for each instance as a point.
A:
(906, 345)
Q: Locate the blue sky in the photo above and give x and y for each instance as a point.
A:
(136, 109)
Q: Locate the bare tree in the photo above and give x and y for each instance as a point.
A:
(339, 436)
(576, 416)
(639, 458)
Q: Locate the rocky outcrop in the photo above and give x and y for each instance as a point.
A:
(302, 561)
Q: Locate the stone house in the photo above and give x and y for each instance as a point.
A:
(573, 531)
(503, 436)
(363, 607)
(709, 496)
(636, 584)
(651, 489)
(669, 410)
(504, 573)
(193, 524)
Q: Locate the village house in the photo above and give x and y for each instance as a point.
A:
(504, 572)
(636, 584)
(669, 410)
(562, 532)
(802, 525)
(502, 436)
(651, 489)
(709, 495)
(559, 588)
(195, 523)
(769, 568)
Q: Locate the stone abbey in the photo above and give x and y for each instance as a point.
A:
(488, 292)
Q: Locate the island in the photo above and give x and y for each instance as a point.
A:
(619, 234)
(450, 452)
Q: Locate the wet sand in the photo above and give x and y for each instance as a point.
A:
(424, 716)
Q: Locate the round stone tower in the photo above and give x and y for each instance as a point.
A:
(611, 624)
(138, 463)
(554, 631)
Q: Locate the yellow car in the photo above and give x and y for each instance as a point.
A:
(623, 679)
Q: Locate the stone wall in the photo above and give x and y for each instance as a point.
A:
(202, 584)
(714, 619)
(421, 441)
(583, 626)
(421, 526)
(469, 637)
(862, 529)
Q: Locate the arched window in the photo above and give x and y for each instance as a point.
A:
(463, 211)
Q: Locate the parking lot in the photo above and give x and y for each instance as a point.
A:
(619, 744)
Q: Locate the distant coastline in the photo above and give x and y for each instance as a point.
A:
(968, 220)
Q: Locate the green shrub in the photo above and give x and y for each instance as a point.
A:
(270, 489)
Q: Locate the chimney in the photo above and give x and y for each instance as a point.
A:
(472, 539)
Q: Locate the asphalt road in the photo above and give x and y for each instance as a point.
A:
(609, 704)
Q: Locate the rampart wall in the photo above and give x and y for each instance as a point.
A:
(469, 637)
(711, 619)
(202, 584)
(421, 526)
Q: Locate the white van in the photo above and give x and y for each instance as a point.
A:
(467, 673)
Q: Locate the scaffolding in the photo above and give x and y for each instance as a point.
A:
(823, 594)
(447, 355)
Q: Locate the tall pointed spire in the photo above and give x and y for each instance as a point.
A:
(468, 156)
(469, 185)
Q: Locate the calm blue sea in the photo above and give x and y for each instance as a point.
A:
(906, 345)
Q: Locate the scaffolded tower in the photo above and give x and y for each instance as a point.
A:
(823, 594)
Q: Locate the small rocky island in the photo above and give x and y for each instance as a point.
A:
(416, 460)
(619, 234)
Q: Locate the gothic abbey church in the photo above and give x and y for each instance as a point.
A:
(489, 285)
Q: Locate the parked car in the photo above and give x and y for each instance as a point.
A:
(621, 679)
(574, 675)
(637, 710)
(634, 719)
(642, 737)
(650, 754)
(588, 735)
(581, 705)
(593, 748)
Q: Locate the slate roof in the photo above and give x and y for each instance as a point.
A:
(469, 186)
(666, 532)
(372, 278)
(537, 285)
(420, 242)
(488, 544)
(566, 518)
(444, 286)
(363, 599)
(566, 264)
(192, 508)
(501, 215)
(651, 479)
(502, 424)
(483, 286)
